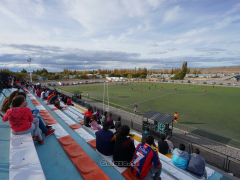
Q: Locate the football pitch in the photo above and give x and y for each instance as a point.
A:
(213, 115)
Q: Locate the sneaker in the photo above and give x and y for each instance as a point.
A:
(35, 138)
(48, 127)
(50, 132)
(41, 141)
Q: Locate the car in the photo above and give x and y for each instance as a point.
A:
(229, 84)
(60, 83)
(213, 83)
(53, 84)
(220, 83)
(188, 81)
(235, 84)
(204, 82)
(70, 83)
(194, 82)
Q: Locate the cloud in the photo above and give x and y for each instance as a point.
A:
(171, 15)
(158, 52)
(171, 49)
(209, 49)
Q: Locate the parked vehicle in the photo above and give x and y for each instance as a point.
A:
(229, 84)
(194, 82)
(220, 83)
(53, 84)
(204, 82)
(60, 83)
(235, 84)
(213, 82)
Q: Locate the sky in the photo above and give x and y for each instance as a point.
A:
(118, 34)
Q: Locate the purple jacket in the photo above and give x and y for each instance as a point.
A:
(111, 121)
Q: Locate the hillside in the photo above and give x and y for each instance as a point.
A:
(224, 69)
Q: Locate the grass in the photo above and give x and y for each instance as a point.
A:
(214, 114)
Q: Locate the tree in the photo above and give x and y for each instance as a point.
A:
(199, 72)
(23, 71)
(184, 68)
(172, 71)
(144, 71)
(44, 75)
(195, 72)
(111, 75)
(44, 71)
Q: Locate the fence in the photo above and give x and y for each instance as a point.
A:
(212, 157)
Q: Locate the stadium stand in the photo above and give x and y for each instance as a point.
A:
(84, 163)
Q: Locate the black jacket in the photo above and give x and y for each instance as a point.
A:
(123, 151)
(163, 147)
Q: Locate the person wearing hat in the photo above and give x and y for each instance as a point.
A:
(105, 139)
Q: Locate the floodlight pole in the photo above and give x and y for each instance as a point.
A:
(108, 96)
(29, 61)
(103, 94)
(162, 73)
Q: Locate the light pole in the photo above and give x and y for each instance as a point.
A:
(29, 61)
(162, 73)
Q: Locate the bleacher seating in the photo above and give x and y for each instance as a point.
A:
(23, 152)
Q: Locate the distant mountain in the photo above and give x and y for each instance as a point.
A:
(213, 70)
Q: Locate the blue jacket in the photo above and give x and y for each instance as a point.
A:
(103, 142)
(180, 158)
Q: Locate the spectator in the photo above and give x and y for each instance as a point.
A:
(88, 112)
(50, 96)
(65, 100)
(180, 157)
(109, 119)
(124, 148)
(170, 145)
(196, 164)
(57, 104)
(43, 94)
(104, 117)
(94, 124)
(97, 113)
(34, 89)
(105, 140)
(69, 102)
(87, 121)
(7, 102)
(21, 119)
(118, 124)
(163, 145)
(145, 134)
(47, 130)
(39, 92)
(53, 99)
(143, 159)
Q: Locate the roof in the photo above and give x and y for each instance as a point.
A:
(160, 117)
(77, 92)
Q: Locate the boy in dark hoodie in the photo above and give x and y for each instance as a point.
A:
(124, 148)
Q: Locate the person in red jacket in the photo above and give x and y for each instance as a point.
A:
(69, 102)
(88, 112)
(39, 92)
(49, 97)
(21, 119)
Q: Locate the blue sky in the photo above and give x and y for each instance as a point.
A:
(109, 34)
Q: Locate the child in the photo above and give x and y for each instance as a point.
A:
(94, 125)
(204, 91)
(21, 119)
(175, 88)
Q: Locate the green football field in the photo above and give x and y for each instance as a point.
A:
(213, 115)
